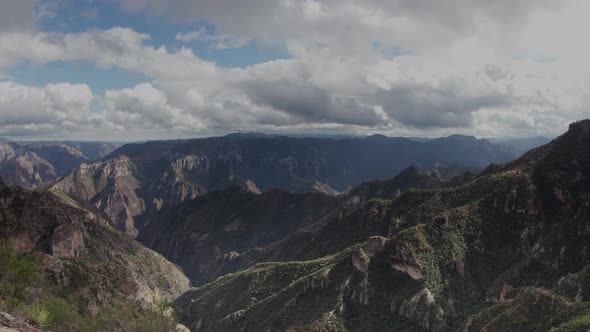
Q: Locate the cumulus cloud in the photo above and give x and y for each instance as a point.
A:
(145, 106)
(396, 67)
(51, 104)
(309, 103)
(344, 25)
(444, 106)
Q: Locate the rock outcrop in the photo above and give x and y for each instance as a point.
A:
(10, 323)
(78, 252)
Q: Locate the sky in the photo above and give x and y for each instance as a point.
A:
(158, 69)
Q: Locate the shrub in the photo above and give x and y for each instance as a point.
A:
(16, 274)
(40, 314)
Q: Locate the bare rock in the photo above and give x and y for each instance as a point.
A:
(360, 260)
(423, 309)
(504, 292)
(67, 242)
(406, 262)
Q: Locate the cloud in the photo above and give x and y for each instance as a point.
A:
(61, 105)
(219, 42)
(309, 103)
(347, 25)
(445, 106)
(397, 67)
(17, 15)
(145, 107)
(412, 93)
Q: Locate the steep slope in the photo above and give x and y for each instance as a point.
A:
(449, 262)
(224, 231)
(90, 150)
(284, 161)
(411, 177)
(62, 157)
(207, 234)
(30, 164)
(26, 169)
(166, 173)
(521, 145)
(87, 268)
(21, 165)
(109, 187)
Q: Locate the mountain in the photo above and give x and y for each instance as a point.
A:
(521, 145)
(282, 162)
(205, 235)
(30, 164)
(91, 150)
(506, 250)
(68, 262)
(448, 248)
(227, 230)
(138, 179)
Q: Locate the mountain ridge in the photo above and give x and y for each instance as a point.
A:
(170, 172)
(470, 256)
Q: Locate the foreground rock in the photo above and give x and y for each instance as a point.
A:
(93, 266)
(9, 323)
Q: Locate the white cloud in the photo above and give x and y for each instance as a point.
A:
(347, 25)
(400, 67)
(145, 107)
(59, 106)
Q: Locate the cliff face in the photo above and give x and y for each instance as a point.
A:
(289, 163)
(31, 164)
(208, 235)
(78, 253)
(110, 187)
(450, 258)
(25, 169)
(228, 230)
(165, 174)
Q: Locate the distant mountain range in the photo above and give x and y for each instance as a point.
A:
(31, 163)
(138, 179)
(521, 145)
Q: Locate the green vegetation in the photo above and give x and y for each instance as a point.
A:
(579, 322)
(379, 200)
(532, 309)
(40, 314)
(16, 274)
(59, 309)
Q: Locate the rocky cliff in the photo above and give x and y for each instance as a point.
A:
(208, 235)
(30, 164)
(84, 263)
(165, 173)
